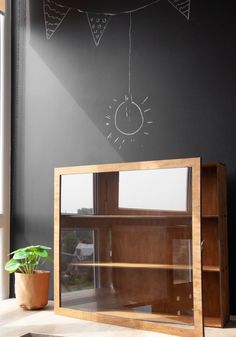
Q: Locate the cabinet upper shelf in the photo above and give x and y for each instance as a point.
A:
(168, 216)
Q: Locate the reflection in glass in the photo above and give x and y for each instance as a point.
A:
(182, 255)
(77, 246)
(77, 194)
(163, 189)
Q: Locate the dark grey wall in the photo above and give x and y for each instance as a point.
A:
(63, 88)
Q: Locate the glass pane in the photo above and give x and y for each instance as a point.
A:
(136, 265)
(136, 189)
(182, 255)
(77, 194)
(77, 247)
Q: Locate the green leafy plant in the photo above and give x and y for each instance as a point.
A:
(28, 259)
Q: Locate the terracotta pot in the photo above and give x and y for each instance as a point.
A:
(31, 290)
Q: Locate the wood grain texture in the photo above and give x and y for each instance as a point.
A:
(116, 319)
(196, 248)
(142, 165)
(57, 189)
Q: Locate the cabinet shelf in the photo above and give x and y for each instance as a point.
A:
(105, 299)
(166, 318)
(143, 266)
(117, 216)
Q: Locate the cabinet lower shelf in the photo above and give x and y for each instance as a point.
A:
(109, 302)
(166, 318)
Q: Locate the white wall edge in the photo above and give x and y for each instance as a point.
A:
(6, 154)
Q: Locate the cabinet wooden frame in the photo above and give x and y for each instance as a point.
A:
(195, 165)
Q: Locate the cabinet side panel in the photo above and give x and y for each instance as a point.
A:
(224, 276)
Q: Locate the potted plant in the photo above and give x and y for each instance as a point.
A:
(31, 283)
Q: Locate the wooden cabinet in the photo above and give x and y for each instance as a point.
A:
(215, 248)
(137, 266)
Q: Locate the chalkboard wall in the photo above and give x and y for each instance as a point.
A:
(176, 76)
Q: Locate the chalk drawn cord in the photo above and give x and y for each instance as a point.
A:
(127, 119)
(130, 51)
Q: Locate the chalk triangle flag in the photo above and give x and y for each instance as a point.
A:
(98, 23)
(183, 6)
(54, 14)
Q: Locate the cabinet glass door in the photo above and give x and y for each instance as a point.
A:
(127, 241)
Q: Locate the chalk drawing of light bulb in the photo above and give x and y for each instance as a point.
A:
(127, 116)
